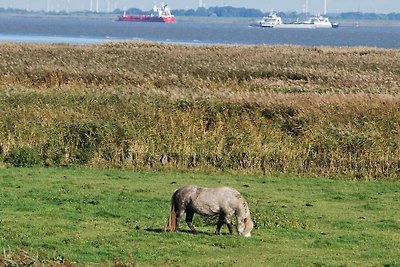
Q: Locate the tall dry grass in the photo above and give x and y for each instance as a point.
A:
(230, 68)
(323, 111)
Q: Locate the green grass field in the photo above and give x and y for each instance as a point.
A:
(93, 217)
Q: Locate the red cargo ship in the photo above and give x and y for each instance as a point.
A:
(159, 14)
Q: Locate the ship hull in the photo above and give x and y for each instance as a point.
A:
(299, 26)
(146, 18)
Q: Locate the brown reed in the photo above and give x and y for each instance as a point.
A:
(260, 109)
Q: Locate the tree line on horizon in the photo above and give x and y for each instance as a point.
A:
(225, 11)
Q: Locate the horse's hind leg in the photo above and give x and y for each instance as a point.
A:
(189, 221)
(179, 214)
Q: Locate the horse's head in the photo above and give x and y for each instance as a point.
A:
(245, 226)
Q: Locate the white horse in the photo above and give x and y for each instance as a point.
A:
(222, 201)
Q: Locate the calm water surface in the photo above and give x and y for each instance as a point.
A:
(188, 31)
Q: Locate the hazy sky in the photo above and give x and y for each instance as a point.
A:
(314, 6)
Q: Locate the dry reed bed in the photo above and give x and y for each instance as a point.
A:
(232, 68)
(259, 109)
(330, 134)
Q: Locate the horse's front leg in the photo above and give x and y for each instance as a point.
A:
(189, 221)
(221, 221)
(229, 224)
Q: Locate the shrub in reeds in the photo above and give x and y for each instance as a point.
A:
(23, 157)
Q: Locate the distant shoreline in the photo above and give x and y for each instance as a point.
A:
(222, 20)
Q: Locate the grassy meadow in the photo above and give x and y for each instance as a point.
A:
(88, 217)
(332, 112)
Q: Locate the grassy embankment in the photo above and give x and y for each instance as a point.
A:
(262, 109)
(319, 111)
(93, 217)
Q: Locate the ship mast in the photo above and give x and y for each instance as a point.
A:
(324, 7)
(306, 11)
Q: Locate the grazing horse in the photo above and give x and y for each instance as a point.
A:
(222, 201)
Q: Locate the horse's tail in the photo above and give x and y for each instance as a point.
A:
(171, 224)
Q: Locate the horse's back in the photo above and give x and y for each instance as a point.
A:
(231, 199)
(213, 194)
(216, 200)
(208, 200)
(225, 193)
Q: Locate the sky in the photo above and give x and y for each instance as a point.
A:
(314, 6)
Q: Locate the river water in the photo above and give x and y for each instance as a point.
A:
(196, 31)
